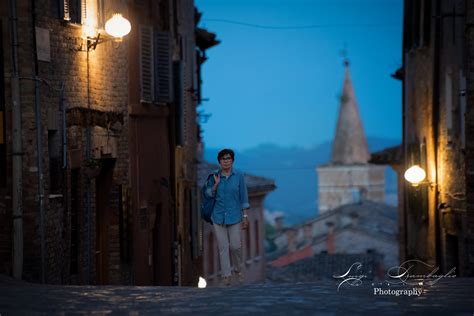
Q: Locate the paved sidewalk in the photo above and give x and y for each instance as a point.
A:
(447, 297)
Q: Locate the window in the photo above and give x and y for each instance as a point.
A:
(425, 24)
(194, 222)
(3, 156)
(257, 239)
(55, 161)
(416, 21)
(211, 250)
(162, 56)
(124, 223)
(146, 64)
(155, 65)
(75, 207)
(407, 26)
(76, 11)
(248, 243)
(179, 96)
(417, 24)
(448, 95)
(462, 107)
(73, 11)
(101, 19)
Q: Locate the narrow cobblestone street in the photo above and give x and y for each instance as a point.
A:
(447, 297)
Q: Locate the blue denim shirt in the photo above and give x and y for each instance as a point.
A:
(231, 198)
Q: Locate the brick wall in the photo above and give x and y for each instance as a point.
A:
(98, 81)
(437, 226)
(469, 159)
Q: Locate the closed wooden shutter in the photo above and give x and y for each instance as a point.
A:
(83, 14)
(426, 22)
(462, 107)
(163, 73)
(186, 89)
(73, 11)
(64, 10)
(146, 64)
(179, 100)
(101, 14)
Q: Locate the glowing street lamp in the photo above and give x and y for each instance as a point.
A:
(415, 175)
(118, 26)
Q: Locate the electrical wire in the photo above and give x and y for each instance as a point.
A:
(276, 169)
(313, 26)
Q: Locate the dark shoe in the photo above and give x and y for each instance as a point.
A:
(226, 281)
(240, 277)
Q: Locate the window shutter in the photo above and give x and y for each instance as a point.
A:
(73, 11)
(146, 64)
(100, 14)
(162, 52)
(417, 24)
(448, 96)
(64, 10)
(179, 100)
(196, 233)
(426, 24)
(462, 106)
(83, 15)
(186, 88)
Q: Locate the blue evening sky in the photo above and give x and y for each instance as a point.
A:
(282, 85)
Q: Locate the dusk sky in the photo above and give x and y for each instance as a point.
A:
(278, 81)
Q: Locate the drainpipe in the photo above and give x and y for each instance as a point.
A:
(39, 147)
(435, 124)
(63, 112)
(39, 156)
(88, 181)
(17, 151)
(404, 207)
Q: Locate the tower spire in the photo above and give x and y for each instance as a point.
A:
(350, 144)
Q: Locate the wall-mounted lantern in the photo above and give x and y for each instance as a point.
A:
(416, 176)
(116, 27)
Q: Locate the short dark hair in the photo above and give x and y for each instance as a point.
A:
(224, 152)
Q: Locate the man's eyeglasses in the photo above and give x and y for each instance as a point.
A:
(226, 158)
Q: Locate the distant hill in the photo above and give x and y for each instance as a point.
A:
(294, 172)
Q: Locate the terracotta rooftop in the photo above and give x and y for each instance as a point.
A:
(388, 156)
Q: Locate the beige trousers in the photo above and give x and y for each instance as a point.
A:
(229, 236)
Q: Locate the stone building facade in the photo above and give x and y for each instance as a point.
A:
(349, 177)
(98, 148)
(438, 91)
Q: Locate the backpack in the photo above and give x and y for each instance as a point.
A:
(207, 203)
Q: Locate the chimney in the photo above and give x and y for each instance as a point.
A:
(330, 238)
(354, 219)
(308, 233)
(279, 223)
(200, 152)
(291, 236)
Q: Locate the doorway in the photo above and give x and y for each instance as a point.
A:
(103, 184)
